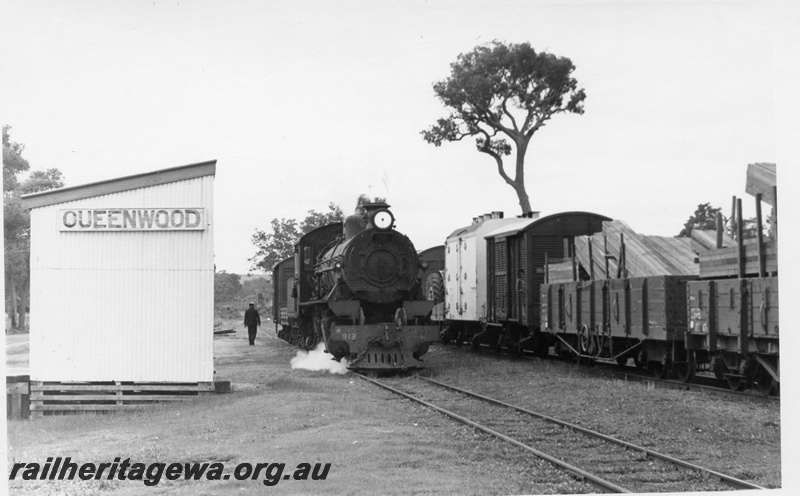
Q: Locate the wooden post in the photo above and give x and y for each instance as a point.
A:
(740, 236)
(762, 259)
(591, 260)
(574, 268)
(733, 217)
(775, 201)
(719, 230)
(546, 270)
(623, 255)
(605, 254)
(774, 215)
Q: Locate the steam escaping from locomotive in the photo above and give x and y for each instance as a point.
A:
(318, 359)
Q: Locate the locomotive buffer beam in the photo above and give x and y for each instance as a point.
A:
(385, 345)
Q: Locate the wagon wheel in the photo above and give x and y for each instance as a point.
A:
(766, 384)
(475, 342)
(659, 369)
(444, 335)
(735, 383)
(686, 370)
(559, 350)
(498, 346)
(719, 368)
(640, 360)
(310, 342)
(326, 325)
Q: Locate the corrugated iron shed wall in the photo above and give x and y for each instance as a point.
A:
(124, 306)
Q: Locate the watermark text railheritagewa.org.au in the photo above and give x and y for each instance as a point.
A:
(58, 468)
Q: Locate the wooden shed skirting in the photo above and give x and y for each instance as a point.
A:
(18, 399)
(53, 397)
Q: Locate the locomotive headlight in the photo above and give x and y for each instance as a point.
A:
(383, 219)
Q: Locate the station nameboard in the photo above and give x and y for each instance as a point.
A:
(131, 219)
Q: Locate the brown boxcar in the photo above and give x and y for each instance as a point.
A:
(516, 257)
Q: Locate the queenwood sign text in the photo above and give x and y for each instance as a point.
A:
(132, 219)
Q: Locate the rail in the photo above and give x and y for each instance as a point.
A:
(727, 479)
(590, 478)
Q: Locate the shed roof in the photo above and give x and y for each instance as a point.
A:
(117, 185)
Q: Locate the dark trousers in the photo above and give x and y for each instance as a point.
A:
(251, 333)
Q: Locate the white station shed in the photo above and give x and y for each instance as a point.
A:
(122, 279)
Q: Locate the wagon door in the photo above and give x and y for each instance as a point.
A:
(499, 279)
(517, 290)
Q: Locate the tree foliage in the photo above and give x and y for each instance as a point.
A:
(501, 94)
(273, 247)
(13, 163)
(226, 287)
(365, 199)
(704, 218)
(17, 223)
(316, 219)
(277, 245)
(42, 180)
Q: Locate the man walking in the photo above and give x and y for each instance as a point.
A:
(251, 320)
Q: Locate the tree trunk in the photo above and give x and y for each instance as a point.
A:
(524, 201)
(22, 309)
(519, 179)
(12, 303)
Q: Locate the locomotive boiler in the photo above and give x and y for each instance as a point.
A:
(356, 287)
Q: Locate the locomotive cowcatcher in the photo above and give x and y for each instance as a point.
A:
(356, 287)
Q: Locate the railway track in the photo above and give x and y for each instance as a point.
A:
(614, 465)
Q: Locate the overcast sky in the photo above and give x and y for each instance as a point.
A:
(303, 103)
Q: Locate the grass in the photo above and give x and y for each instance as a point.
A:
(740, 438)
(379, 444)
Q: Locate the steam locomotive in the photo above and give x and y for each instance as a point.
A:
(355, 286)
